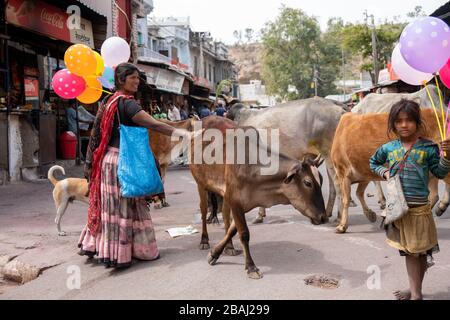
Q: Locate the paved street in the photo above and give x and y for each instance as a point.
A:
(287, 249)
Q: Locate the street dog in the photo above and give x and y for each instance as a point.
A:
(70, 189)
(65, 192)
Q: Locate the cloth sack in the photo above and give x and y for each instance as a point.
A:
(137, 171)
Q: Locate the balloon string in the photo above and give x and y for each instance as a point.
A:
(442, 107)
(446, 121)
(100, 90)
(435, 111)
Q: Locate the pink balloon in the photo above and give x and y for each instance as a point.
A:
(407, 73)
(68, 85)
(444, 74)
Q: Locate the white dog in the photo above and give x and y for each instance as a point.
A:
(66, 191)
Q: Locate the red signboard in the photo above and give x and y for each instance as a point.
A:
(203, 82)
(40, 17)
(31, 88)
(122, 24)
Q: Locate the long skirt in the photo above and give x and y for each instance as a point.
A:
(126, 226)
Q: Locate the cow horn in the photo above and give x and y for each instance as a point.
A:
(319, 160)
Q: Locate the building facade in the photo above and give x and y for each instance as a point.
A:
(34, 37)
(176, 64)
(254, 94)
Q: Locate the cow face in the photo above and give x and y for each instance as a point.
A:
(302, 186)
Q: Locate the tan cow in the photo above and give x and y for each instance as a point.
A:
(244, 187)
(356, 140)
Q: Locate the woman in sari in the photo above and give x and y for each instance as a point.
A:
(118, 229)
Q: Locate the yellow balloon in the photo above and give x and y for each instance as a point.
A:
(80, 60)
(100, 64)
(93, 90)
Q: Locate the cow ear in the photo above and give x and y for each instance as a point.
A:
(292, 172)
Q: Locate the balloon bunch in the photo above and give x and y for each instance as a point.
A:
(87, 71)
(423, 51)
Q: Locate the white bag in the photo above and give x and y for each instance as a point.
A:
(396, 205)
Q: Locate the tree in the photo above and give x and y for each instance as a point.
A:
(357, 39)
(418, 12)
(292, 48)
(331, 52)
(238, 35)
(249, 34)
(224, 84)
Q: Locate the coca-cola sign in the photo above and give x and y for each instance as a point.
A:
(53, 18)
(48, 20)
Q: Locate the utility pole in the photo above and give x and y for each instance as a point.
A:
(343, 72)
(374, 46)
(316, 80)
(201, 60)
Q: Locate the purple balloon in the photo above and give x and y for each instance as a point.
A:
(425, 44)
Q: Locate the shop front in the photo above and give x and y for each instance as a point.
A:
(37, 35)
(168, 85)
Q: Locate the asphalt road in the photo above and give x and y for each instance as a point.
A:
(286, 248)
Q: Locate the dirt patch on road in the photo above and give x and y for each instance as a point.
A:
(322, 281)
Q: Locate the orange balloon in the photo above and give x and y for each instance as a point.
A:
(93, 90)
(80, 60)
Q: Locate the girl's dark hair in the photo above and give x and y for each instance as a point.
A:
(411, 108)
(121, 73)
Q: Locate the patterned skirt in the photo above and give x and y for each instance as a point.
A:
(126, 226)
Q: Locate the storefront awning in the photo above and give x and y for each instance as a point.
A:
(201, 98)
(163, 79)
(101, 7)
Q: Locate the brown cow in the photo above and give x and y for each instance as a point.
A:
(162, 147)
(356, 140)
(243, 187)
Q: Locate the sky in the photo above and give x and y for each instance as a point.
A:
(221, 18)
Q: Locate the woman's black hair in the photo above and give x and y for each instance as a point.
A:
(121, 73)
(411, 108)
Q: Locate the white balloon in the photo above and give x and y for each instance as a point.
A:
(115, 50)
(405, 72)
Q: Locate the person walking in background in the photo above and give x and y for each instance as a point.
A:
(220, 110)
(204, 111)
(173, 114)
(84, 118)
(183, 113)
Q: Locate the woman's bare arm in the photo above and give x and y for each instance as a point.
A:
(143, 119)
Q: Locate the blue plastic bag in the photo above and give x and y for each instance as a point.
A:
(137, 171)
